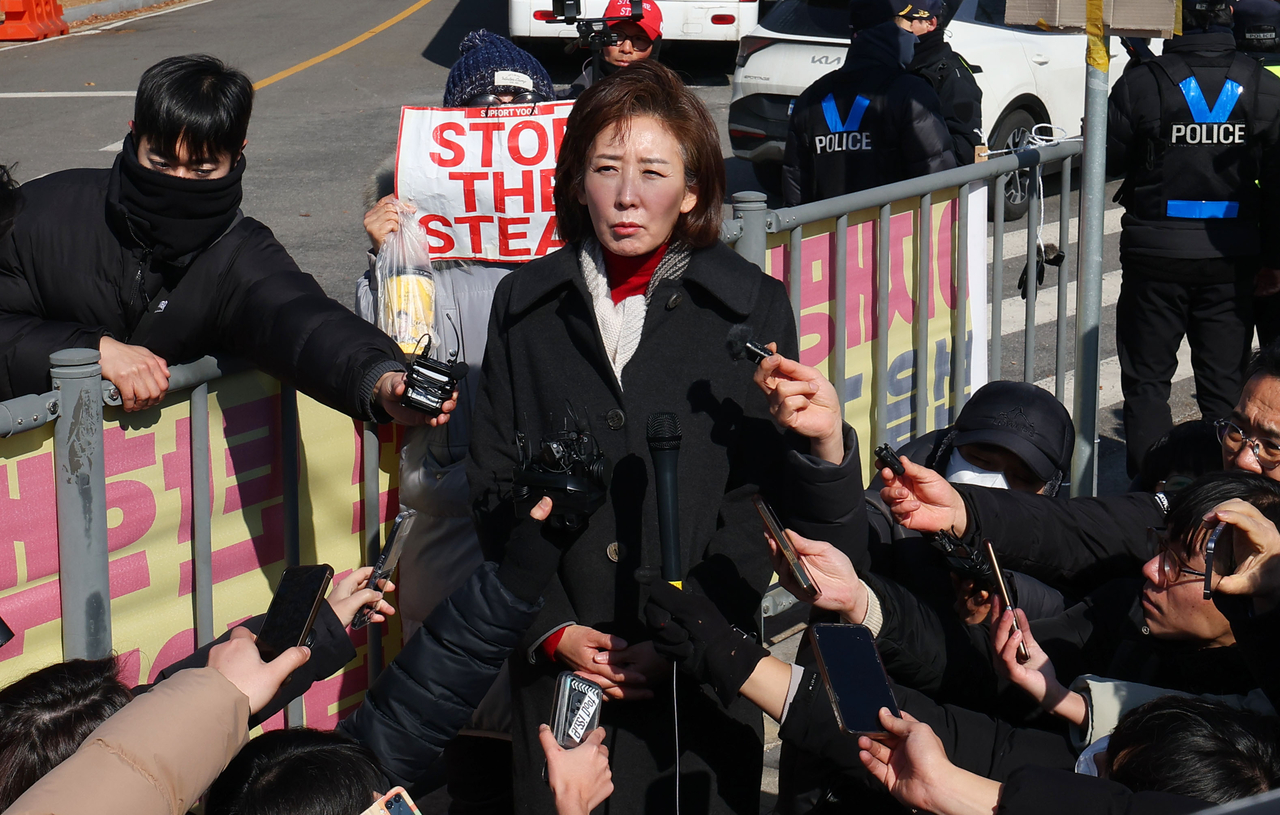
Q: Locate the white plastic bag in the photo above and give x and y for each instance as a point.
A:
(406, 290)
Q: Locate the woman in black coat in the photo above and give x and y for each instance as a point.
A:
(629, 319)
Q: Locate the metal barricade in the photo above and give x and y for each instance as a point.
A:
(75, 407)
(753, 222)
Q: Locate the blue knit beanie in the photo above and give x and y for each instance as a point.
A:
(491, 63)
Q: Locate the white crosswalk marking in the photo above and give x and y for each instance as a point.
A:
(1013, 309)
(1109, 379)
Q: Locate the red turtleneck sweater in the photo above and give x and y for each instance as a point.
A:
(630, 276)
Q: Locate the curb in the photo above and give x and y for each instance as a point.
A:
(103, 7)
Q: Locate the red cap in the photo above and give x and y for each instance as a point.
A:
(651, 22)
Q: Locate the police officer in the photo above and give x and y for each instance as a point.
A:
(949, 74)
(869, 122)
(1195, 131)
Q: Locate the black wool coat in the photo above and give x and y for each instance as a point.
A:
(70, 268)
(544, 350)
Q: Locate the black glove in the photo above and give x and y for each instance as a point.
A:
(689, 630)
(532, 557)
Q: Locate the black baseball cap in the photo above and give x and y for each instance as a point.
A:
(1025, 420)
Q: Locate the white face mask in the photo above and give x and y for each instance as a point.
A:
(960, 471)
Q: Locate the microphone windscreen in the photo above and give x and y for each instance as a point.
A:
(739, 336)
(663, 431)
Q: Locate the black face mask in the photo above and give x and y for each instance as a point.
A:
(174, 217)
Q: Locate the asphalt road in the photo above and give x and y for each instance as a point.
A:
(319, 133)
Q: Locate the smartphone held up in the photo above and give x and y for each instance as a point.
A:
(293, 609)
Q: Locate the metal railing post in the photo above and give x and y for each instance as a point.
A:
(294, 713)
(997, 277)
(751, 208)
(201, 516)
(840, 332)
(1093, 203)
(924, 262)
(960, 334)
(80, 476)
(880, 357)
(1031, 289)
(1064, 246)
(371, 488)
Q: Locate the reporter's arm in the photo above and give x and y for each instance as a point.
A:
(1035, 790)
(155, 756)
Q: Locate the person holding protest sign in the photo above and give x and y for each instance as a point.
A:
(628, 320)
(441, 548)
(153, 262)
(637, 41)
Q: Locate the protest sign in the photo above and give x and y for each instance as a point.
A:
(481, 179)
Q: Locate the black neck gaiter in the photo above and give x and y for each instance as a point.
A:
(174, 217)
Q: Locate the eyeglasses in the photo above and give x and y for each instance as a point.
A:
(485, 100)
(1233, 439)
(1173, 567)
(640, 42)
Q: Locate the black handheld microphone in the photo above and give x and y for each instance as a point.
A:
(663, 430)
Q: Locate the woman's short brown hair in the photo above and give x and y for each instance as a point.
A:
(644, 88)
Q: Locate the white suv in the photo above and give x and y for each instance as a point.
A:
(702, 20)
(1027, 77)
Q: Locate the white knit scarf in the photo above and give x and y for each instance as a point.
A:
(621, 324)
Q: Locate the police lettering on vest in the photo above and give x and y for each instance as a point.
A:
(1194, 133)
(845, 134)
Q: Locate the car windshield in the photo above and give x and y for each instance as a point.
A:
(810, 18)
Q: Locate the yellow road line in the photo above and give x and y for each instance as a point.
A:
(302, 66)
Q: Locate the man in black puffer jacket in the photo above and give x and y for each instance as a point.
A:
(947, 73)
(153, 262)
(868, 123)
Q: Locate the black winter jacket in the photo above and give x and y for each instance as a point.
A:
(1032, 790)
(429, 691)
(545, 348)
(1161, 165)
(69, 265)
(952, 79)
(1074, 545)
(866, 124)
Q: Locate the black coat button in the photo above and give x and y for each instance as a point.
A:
(616, 419)
(675, 300)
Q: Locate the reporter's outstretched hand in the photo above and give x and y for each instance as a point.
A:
(390, 389)
(141, 377)
(910, 761)
(923, 500)
(839, 587)
(1255, 545)
(580, 778)
(689, 630)
(803, 400)
(1036, 676)
(353, 593)
(238, 660)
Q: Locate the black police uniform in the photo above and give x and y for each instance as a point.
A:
(1195, 131)
(952, 79)
(867, 124)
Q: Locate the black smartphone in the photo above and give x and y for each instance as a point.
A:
(1002, 589)
(854, 675)
(779, 534)
(1210, 545)
(889, 456)
(293, 609)
(385, 566)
